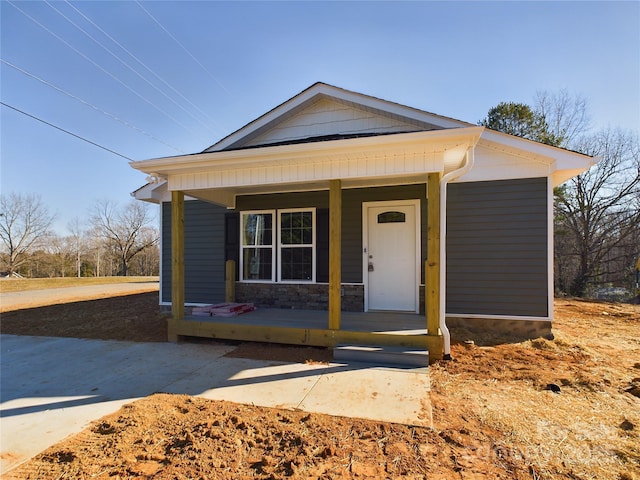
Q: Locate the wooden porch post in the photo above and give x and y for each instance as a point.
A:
(432, 265)
(177, 259)
(335, 241)
(230, 281)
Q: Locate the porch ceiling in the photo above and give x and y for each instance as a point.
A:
(358, 162)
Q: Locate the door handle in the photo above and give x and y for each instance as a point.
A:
(370, 267)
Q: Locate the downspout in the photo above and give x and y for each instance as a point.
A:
(466, 166)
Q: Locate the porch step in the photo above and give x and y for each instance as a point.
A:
(382, 355)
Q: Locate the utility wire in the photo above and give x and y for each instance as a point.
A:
(114, 55)
(98, 66)
(177, 92)
(66, 131)
(182, 46)
(110, 115)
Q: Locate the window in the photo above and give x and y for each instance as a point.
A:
(391, 217)
(295, 238)
(297, 245)
(257, 246)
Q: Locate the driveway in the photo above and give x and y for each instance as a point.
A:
(51, 296)
(54, 387)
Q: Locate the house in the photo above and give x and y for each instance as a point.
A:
(340, 204)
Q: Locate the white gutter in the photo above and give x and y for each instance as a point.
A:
(466, 166)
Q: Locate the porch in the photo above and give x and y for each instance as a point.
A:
(339, 168)
(329, 327)
(309, 327)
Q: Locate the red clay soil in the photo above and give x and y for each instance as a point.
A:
(494, 416)
(132, 317)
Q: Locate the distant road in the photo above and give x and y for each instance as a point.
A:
(52, 296)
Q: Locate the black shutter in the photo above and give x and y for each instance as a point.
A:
(322, 245)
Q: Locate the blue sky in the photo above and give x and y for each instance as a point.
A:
(211, 67)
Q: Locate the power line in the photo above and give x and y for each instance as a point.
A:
(98, 66)
(66, 131)
(110, 115)
(177, 92)
(182, 46)
(117, 57)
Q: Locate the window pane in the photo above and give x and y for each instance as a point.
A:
(285, 236)
(307, 236)
(257, 229)
(297, 263)
(307, 220)
(296, 228)
(257, 263)
(285, 264)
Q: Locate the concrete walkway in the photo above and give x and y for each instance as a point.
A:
(54, 387)
(52, 296)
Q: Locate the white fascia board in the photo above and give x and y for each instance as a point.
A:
(157, 193)
(558, 159)
(144, 192)
(561, 176)
(264, 120)
(331, 92)
(286, 154)
(152, 192)
(393, 108)
(222, 197)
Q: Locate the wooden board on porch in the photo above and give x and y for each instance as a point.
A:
(309, 328)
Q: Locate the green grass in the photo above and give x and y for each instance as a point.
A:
(23, 284)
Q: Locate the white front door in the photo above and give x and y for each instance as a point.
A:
(391, 249)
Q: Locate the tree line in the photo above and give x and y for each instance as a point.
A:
(597, 213)
(113, 241)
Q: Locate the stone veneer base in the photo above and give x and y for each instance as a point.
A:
(301, 296)
(517, 329)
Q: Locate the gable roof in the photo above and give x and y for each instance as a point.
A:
(326, 132)
(341, 109)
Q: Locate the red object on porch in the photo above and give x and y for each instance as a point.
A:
(223, 309)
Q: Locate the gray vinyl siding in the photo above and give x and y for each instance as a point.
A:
(318, 199)
(497, 248)
(352, 200)
(203, 255)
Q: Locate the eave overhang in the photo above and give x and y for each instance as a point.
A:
(561, 164)
(392, 159)
(364, 161)
(405, 144)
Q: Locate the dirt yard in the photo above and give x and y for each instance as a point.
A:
(494, 414)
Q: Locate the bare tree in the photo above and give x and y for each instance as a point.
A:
(566, 117)
(60, 255)
(127, 231)
(24, 221)
(597, 212)
(77, 239)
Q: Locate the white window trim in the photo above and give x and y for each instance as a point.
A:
(243, 246)
(276, 246)
(313, 244)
